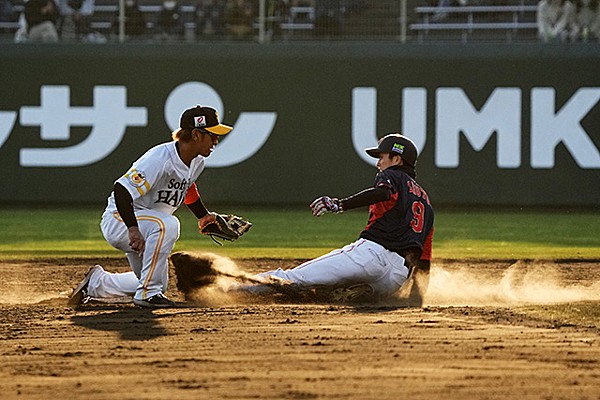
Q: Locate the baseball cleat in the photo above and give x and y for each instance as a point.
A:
(354, 293)
(80, 291)
(156, 301)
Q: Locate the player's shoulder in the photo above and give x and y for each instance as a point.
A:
(160, 151)
(154, 159)
(397, 173)
(166, 147)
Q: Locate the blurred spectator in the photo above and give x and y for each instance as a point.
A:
(356, 6)
(9, 14)
(302, 17)
(441, 15)
(239, 19)
(276, 12)
(169, 22)
(76, 19)
(135, 22)
(40, 16)
(586, 24)
(210, 17)
(6, 11)
(555, 20)
(328, 17)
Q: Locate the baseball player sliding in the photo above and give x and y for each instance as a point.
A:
(397, 238)
(139, 216)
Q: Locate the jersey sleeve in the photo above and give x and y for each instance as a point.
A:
(384, 180)
(192, 195)
(366, 198)
(138, 180)
(427, 247)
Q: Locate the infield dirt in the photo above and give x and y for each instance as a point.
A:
(473, 339)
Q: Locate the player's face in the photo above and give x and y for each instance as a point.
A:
(385, 161)
(207, 143)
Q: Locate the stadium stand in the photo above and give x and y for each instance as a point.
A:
(506, 21)
(510, 21)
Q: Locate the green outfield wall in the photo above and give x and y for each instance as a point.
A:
(495, 124)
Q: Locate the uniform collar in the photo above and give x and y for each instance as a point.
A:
(406, 169)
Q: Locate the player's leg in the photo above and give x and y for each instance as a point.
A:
(100, 284)
(103, 284)
(339, 267)
(149, 275)
(357, 262)
(394, 275)
(160, 231)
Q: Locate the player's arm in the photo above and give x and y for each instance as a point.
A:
(194, 202)
(326, 204)
(420, 283)
(366, 197)
(124, 203)
(420, 273)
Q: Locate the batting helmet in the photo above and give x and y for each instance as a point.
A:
(396, 143)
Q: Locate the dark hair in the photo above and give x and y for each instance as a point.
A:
(75, 4)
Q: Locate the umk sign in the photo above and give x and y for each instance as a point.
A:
(455, 115)
(501, 115)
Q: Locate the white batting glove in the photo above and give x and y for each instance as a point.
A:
(325, 204)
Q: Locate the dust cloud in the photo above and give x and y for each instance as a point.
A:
(451, 284)
(226, 276)
(521, 283)
(21, 295)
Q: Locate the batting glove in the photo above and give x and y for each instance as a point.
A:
(325, 204)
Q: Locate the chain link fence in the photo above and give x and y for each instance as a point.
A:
(270, 21)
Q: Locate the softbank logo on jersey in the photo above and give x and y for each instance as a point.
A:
(501, 115)
(109, 117)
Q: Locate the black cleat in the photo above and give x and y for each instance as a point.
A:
(156, 301)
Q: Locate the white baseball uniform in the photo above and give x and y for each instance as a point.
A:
(362, 261)
(158, 182)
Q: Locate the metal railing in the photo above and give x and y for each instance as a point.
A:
(338, 20)
(467, 19)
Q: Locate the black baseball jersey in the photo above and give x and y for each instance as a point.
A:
(405, 220)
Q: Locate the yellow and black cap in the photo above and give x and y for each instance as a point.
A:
(203, 118)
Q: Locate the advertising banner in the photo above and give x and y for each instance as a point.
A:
(495, 125)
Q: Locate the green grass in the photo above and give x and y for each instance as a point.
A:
(514, 234)
(294, 233)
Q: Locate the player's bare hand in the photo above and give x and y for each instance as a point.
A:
(207, 219)
(136, 240)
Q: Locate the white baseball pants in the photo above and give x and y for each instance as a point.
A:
(362, 261)
(150, 271)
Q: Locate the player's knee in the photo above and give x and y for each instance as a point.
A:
(172, 228)
(171, 225)
(165, 229)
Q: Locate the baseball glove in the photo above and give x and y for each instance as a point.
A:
(226, 227)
